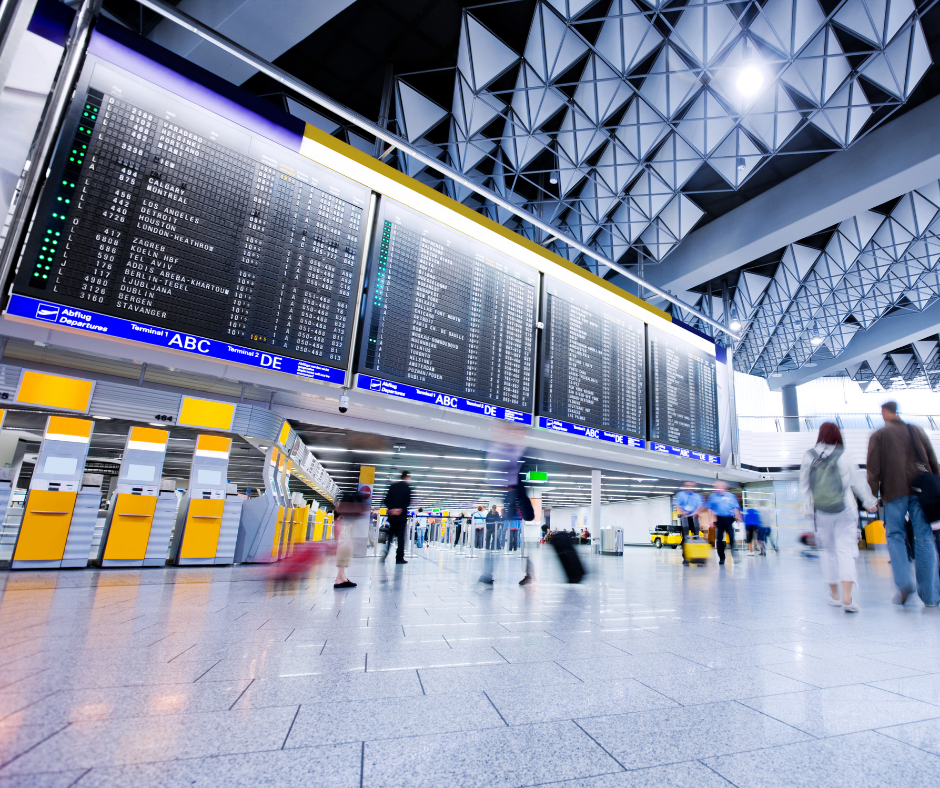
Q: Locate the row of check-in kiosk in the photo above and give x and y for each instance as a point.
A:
(147, 522)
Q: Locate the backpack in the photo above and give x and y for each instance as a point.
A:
(825, 480)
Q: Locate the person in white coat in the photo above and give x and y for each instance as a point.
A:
(829, 482)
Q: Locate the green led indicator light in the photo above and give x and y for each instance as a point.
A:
(45, 276)
(71, 158)
(47, 267)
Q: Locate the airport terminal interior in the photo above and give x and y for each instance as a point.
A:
(479, 393)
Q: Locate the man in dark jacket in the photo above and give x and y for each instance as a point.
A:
(897, 453)
(396, 502)
(492, 517)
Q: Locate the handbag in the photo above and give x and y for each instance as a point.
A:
(925, 484)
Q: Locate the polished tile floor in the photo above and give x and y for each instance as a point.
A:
(647, 674)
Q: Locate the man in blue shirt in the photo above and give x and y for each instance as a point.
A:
(727, 510)
(690, 504)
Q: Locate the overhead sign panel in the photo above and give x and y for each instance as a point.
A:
(683, 396)
(162, 212)
(593, 369)
(448, 313)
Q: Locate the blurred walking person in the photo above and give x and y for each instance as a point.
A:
(690, 504)
(478, 521)
(726, 509)
(352, 515)
(396, 502)
(897, 454)
(492, 517)
(458, 527)
(829, 482)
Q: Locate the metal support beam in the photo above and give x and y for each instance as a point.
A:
(290, 81)
(894, 159)
(791, 409)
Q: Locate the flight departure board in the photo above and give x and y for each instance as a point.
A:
(160, 211)
(683, 394)
(593, 362)
(447, 312)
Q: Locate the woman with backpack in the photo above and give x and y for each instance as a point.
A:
(829, 483)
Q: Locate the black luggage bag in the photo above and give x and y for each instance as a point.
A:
(568, 556)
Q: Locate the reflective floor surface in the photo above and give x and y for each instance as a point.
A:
(647, 674)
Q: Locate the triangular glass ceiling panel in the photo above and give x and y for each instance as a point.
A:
(773, 118)
(820, 69)
(845, 115)
(706, 123)
(899, 11)
(616, 167)
(466, 154)
(520, 149)
(854, 17)
(630, 219)
(704, 31)
(680, 215)
(552, 46)
(416, 112)
(601, 91)
(482, 57)
(570, 8)
(787, 25)
(533, 103)
(578, 137)
(474, 112)
(642, 128)
(627, 37)
(725, 77)
(650, 193)
(658, 240)
(676, 161)
(670, 83)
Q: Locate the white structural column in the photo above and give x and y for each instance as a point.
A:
(595, 527)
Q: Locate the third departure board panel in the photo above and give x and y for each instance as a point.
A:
(163, 212)
(683, 394)
(592, 362)
(448, 313)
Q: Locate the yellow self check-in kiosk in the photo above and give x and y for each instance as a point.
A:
(140, 521)
(62, 504)
(267, 518)
(207, 518)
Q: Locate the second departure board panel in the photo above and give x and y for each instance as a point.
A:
(592, 362)
(163, 212)
(447, 312)
(683, 394)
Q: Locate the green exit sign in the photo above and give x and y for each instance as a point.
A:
(537, 476)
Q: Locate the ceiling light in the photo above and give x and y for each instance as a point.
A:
(816, 341)
(553, 177)
(750, 77)
(742, 164)
(735, 325)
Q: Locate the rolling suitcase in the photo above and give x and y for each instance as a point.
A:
(568, 556)
(696, 550)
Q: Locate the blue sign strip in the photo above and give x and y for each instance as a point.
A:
(689, 454)
(95, 323)
(591, 432)
(450, 401)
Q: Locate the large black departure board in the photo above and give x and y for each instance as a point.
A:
(593, 362)
(683, 393)
(447, 312)
(161, 211)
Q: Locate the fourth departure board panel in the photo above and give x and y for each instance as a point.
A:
(163, 212)
(592, 362)
(448, 313)
(683, 394)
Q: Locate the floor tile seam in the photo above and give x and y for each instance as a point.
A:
(31, 703)
(609, 755)
(572, 780)
(291, 726)
(719, 774)
(880, 732)
(4, 764)
(4, 687)
(776, 719)
(80, 777)
(898, 694)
